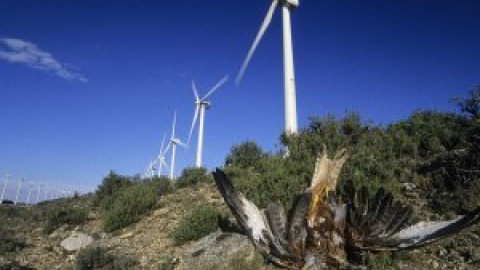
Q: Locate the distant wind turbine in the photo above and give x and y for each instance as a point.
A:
(201, 104)
(150, 171)
(30, 188)
(174, 141)
(39, 189)
(18, 191)
(291, 126)
(161, 156)
(7, 178)
(46, 191)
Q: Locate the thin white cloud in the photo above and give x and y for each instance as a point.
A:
(19, 51)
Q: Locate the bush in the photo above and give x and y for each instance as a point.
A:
(111, 185)
(129, 205)
(8, 243)
(244, 155)
(163, 185)
(379, 261)
(72, 216)
(97, 258)
(201, 221)
(273, 179)
(191, 176)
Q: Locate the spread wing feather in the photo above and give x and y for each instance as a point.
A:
(424, 233)
(254, 221)
(277, 218)
(381, 224)
(297, 225)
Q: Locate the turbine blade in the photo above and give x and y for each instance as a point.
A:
(217, 86)
(163, 142)
(173, 125)
(164, 163)
(195, 91)
(194, 121)
(167, 148)
(261, 32)
(184, 145)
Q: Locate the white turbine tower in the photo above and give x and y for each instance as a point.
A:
(201, 104)
(291, 126)
(174, 141)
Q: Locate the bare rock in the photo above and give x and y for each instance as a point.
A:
(76, 241)
(220, 251)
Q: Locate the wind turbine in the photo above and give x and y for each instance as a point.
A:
(291, 126)
(174, 141)
(46, 191)
(150, 171)
(161, 157)
(38, 192)
(7, 178)
(30, 188)
(18, 190)
(201, 104)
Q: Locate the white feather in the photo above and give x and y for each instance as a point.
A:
(421, 230)
(255, 220)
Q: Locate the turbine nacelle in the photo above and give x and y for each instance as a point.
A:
(292, 3)
(204, 103)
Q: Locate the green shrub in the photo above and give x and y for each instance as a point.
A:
(379, 261)
(97, 258)
(128, 205)
(163, 185)
(244, 155)
(201, 221)
(71, 216)
(272, 180)
(8, 242)
(111, 185)
(191, 176)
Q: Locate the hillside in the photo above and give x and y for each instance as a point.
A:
(429, 161)
(149, 243)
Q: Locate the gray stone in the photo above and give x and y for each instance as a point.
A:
(76, 241)
(217, 251)
(225, 250)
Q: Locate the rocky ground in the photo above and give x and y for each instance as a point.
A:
(149, 243)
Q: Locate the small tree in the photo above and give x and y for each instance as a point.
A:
(244, 155)
(111, 185)
(191, 176)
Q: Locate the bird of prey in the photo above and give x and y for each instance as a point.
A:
(323, 228)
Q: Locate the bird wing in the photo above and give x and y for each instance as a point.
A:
(371, 221)
(379, 223)
(424, 233)
(277, 219)
(257, 223)
(297, 225)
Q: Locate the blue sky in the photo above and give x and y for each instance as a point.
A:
(91, 86)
